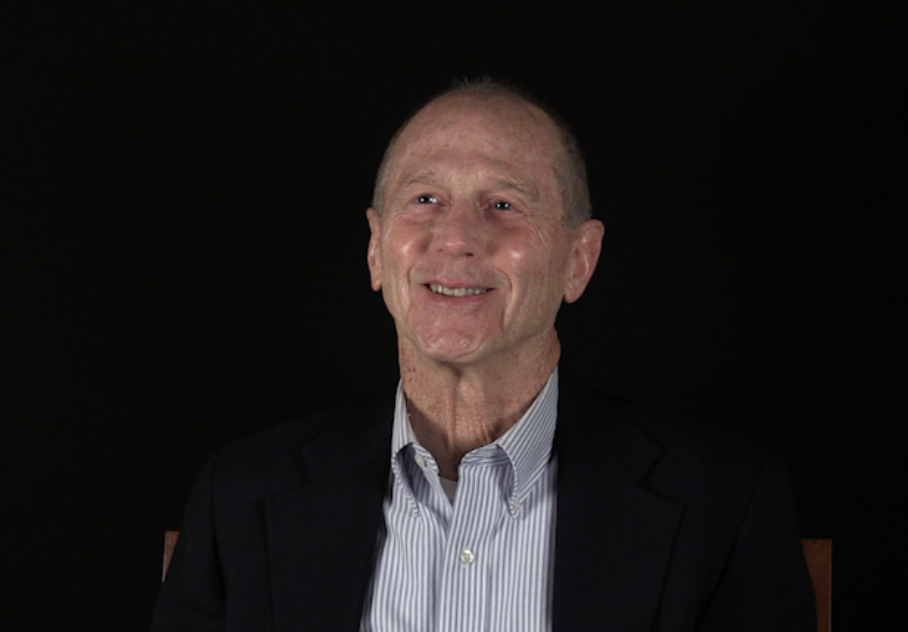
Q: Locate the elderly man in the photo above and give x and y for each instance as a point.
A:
(492, 492)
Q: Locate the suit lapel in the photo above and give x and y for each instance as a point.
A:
(614, 537)
(322, 537)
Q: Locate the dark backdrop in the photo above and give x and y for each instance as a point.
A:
(182, 194)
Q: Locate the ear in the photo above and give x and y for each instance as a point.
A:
(587, 244)
(373, 256)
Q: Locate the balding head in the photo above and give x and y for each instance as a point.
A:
(567, 159)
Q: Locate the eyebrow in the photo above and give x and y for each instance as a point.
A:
(431, 177)
(511, 185)
(423, 177)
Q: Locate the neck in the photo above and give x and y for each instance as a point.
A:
(457, 408)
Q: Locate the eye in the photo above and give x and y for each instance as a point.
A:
(501, 205)
(427, 199)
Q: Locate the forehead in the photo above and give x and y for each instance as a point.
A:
(492, 132)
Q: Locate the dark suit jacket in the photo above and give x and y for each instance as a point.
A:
(662, 524)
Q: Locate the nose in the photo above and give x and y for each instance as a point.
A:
(459, 231)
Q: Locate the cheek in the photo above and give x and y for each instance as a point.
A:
(541, 274)
(533, 256)
(401, 250)
(407, 249)
(518, 247)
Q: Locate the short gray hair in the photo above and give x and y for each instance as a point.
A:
(570, 170)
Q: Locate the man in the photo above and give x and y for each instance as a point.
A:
(512, 498)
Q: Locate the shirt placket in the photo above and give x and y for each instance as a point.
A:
(464, 592)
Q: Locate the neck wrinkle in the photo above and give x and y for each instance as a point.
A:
(456, 409)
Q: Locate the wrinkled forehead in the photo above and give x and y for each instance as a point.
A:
(491, 125)
(499, 117)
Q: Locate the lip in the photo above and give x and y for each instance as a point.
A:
(457, 291)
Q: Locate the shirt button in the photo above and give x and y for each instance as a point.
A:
(421, 462)
(515, 506)
(466, 557)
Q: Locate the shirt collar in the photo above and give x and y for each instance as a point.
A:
(528, 444)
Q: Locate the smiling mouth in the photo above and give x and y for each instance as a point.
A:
(456, 291)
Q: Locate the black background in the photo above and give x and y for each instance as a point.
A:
(182, 196)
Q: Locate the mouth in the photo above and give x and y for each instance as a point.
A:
(456, 291)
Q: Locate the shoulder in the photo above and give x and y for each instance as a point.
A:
(687, 434)
(666, 427)
(668, 450)
(284, 456)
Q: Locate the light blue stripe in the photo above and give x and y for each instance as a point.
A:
(420, 583)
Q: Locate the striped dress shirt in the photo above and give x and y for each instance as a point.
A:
(484, 561)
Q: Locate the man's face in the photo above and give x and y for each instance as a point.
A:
(470, 250)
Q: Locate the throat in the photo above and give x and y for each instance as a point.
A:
(451, 428)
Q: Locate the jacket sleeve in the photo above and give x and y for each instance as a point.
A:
(765, 584)
(192, 597)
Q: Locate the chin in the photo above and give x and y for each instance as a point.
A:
(451, 349)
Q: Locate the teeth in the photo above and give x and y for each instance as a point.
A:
(458, 291)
